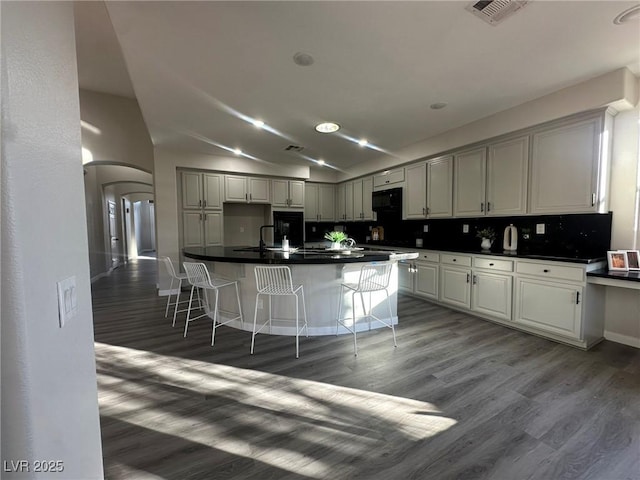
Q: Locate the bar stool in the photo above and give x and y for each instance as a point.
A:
(276, 281)
(178, 278)
(199, 278)
(374, 277)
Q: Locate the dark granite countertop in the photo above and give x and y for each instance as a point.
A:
(303, 256)
(633, 276)
(524, 254)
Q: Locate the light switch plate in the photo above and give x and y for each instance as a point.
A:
(465, 228)
(540, 228)
(425, 229)
(67, 300)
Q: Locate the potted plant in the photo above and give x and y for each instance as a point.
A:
(336, 239)
(488, 235)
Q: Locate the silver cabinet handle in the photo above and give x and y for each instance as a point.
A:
(206, 217)
(424, 211)
(251, 196)
(593, 199)
(246, 197)
(200, 217)
(428, 210)
(475, 279)
(468, 275)
(199, 203)
(577, 298)
(204, 204)
(488, 206)
(482, 206)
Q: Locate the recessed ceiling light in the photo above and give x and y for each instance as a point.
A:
(237, 151)
(437, 106)
(327, 127)
(303, 59)
(258, 123)
(628, 15)
(362, 142)
(320, 162)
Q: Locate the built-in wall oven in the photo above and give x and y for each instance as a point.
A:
(289, 224)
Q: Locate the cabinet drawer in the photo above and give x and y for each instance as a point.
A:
(462, 260)
(394, 176)
(428, 257)
(574, 274)
(493, 264)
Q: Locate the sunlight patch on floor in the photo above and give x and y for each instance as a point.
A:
(134, 384)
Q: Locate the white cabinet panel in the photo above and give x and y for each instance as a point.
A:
(426, 280)
(507, 171)
(192, 229)
(367, 194)
(455, 286)
(357, 200)
(552, 307)
(212, 191)
(348, 201)
(280, 193)
(469, 184)
(259, 190)
(191, 190)
(326, 202)
(235, 189)
(440, 187)
(341, 201)
(491, 294)
(212, 229)
(405, 276)
(415, 191)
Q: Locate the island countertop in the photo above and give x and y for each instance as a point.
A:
(301, 256)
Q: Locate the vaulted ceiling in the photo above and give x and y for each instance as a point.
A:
(203, 71)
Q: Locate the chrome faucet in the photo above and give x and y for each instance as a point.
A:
(261, 244)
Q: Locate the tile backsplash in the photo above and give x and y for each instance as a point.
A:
(571, 235)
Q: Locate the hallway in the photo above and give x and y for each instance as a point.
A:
(459, 398)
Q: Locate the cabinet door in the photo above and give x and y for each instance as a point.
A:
(552, 307)
(491, 294)
(326, 202)
(426, 279)
(564, 168)
(455, 287)
(405, 276)
(212, 191)
(212, 229)
(310, 202)
(348, 201)
(296, 193)
(507, 168)
(191, 190)
(259, 190)
(440, 188)
(235, 189)
(341, 195)
(192, 232)
(367, 199)
(416, 191)
(469, 183)
(280, 193)
(358, 212)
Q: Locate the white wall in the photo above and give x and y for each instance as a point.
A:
(49, 394)
(242, 223)
(123, 135)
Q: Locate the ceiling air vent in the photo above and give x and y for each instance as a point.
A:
(294, 148)
(495, 11)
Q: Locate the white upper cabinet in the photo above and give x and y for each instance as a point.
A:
(319, 204)
(240, 189)
(469, 183)
(439, 187)
(507, 171)
(341, 202)
(415, 192)
(201, 190)
(288, 193)
(362, 191)
(568, 174)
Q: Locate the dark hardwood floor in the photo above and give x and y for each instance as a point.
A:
(460, 398)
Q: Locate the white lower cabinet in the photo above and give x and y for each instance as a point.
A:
(426, 280)
(455, 286)
(552, 307)
(491, 294)
(405, 276)
(201, 229)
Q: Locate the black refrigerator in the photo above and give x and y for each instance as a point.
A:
(290, 225)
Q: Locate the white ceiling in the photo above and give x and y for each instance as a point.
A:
(198, 68)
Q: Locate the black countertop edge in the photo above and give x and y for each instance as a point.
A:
(232, 255)
(633, 276)
(501, 253)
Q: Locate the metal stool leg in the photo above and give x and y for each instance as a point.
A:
(393, 330)
(255, 317)
(339, 309)
(353, 325)
(215, 318)
(166, 310)
(304, 311)
(175, 310)
(297, 330)
(186, 323)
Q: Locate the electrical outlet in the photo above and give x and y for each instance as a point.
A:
(465, 228)
(67, 300)
(540, 230)
(425, 228)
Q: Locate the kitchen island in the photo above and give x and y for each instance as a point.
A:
(321, 271)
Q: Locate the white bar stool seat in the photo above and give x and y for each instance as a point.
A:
(276, 281)
(199, 278)
(374, 277)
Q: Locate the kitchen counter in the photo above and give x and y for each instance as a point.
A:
(614, 278)
(320, 271)
(518, 254)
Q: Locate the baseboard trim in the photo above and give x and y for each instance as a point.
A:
(623, 339)
(100, 275)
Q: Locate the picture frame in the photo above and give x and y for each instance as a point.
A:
(617, 260)
(633, 260)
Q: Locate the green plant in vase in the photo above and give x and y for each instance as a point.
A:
(336, 239)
